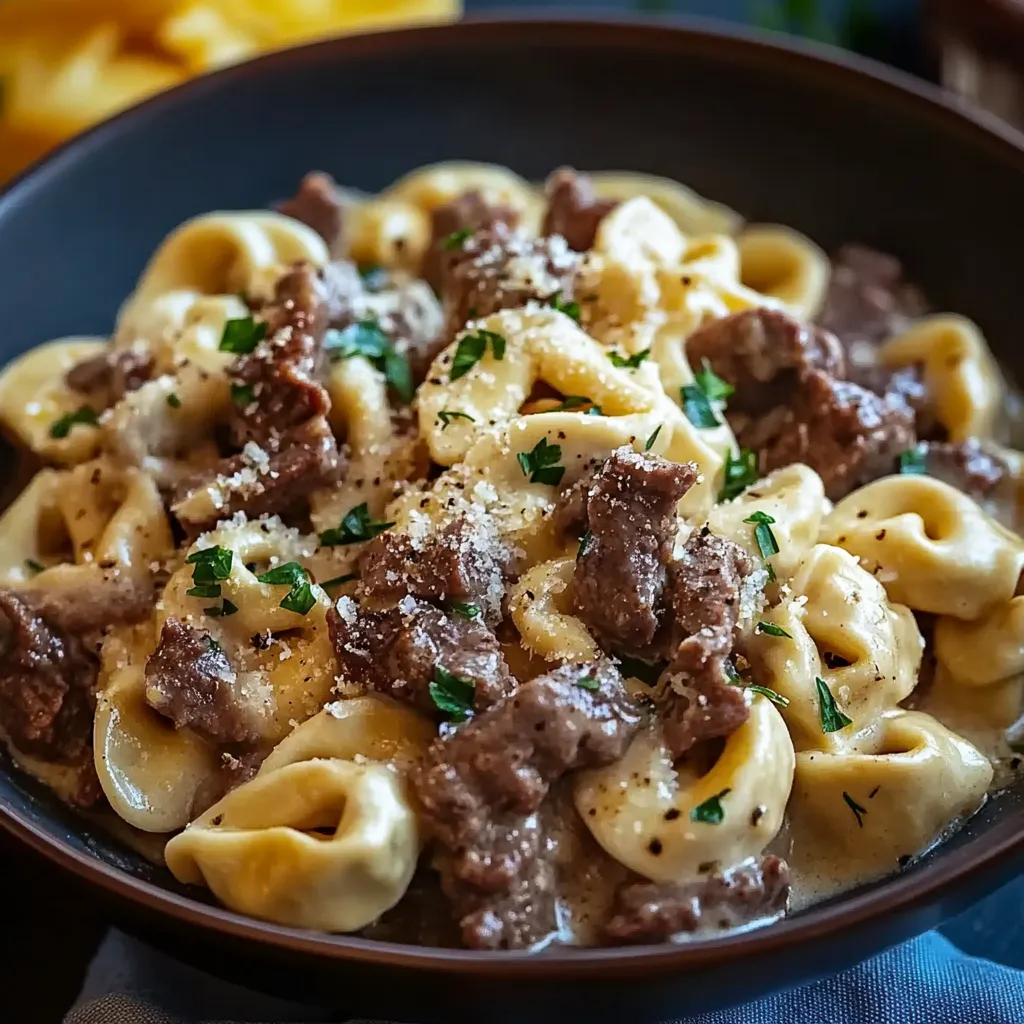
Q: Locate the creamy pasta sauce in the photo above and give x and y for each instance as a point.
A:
(489, 564)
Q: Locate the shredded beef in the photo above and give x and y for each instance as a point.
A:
(480, 788)
(190, 681)
(622, 568)
(706, 595)
(47, 684)
(306, 459)
(111, 599)
(848, 435)
(456, 564)
(285, 368)
(469, 212)
(647, 912)
(762, 353)
(574, 212)
(319, 205)
(502, 269)
(397, 651)
(231, 773)
(106, 378)
(979, 471)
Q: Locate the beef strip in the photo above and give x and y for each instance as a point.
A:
(647, 912)
(190, 682)
(112, 599)
(978, 470)
(271, 483)
(480, 787)
(707, 592)
(621, 570)
(848, 435)
(763, 353)
(574, 212)
(502, 269)
(397, 651)
(455, 565)
(468, 212)
(285, 368)
(106, 378)
(319, 205)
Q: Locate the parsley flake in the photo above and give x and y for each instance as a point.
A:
(766, 542)
(740, 472)
(452, 695)
(356, 527)
(711, 811)
(243, 394)
(223, 610)
(300, 598)
(467, 611)
(367, 339)
(33, 566)
(210, 564)
(711, 384)
(447, 415)
(770, 629)
(698, 408)
(588, 681)
(173, 400)
(912, 462)
(654, 437)
(570, 308)
(541, 464)
(628, 362)
(471, 348)
(735, 679)
(858, 811)
(241, 336)
(832, 719)
(62, 427)
(455, 240)
(570, 402)
(584, 541)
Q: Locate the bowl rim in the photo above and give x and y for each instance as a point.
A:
(899, 894)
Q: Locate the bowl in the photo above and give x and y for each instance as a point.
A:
(837, 147)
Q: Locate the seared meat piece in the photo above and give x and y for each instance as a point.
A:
(979, 471)
(319, 205)
(574, 212)
(106, 378)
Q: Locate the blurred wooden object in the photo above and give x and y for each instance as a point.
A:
(979, 48)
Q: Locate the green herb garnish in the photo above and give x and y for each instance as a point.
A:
(588, 681)
(467, 611)
(735, 679)
(223, 610)
(739, 473)
(211, 564)
(173, 400)
(766, 542)
(470, 351)
(447, 415)
(584, 541)
(62, 427)
(628, 362)
(356, 527)
(858, 811)
(243, 394)
(374, 276)
(649, 444)
(456, 239)
(300, 598)
(770, 629)
(711, 384)
(452, 695)
(832, 719)
(241, 336)
(698, 407)
(912, 462)
(33, 566)
(541, 464)
(570, 308)
(367, 339)
(570, 402)
(711, 811)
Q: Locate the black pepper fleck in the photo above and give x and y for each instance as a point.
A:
(655, 847)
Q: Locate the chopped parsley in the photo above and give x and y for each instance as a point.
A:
(471, 348)
(243, 394)
(740, 473)
(223, 610)
(356, 527)
(173, 400)
(772, 695)
(367, 339)
(467, 611)
(584, 541)
(62, 427)
(766, 542)
(912, 462)
(374, 277)
(771, 629)
(241, 336)
(452, 695)
(541, 464)
(711, 811)
(204, 590)
(455, 240)
(300, 598)
(832, 719)
(570, 402)
(649, 444)
(858, 811)
(33, 566)
(569, 308)
(628, 362)
(711, 384)
(339, 580)
(588, 681)
(210, 564)
(697, 407)
(447, 415)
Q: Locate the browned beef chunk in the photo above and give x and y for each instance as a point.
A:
(650, 912)
(707, 584)
(190, 681)
(845, 433)
(470, 213)
(501, 269)
(285, 368)
(318, 204)
(480, 788)
(455, 565)
(47, 684)
(278, 482)
(111, 600)
(233, 770)
(574, 212)
(109, 376)
(397, 651)
(622, 566)
(762, 353)
(979, 471)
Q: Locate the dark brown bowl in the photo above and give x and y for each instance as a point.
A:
(840, 148)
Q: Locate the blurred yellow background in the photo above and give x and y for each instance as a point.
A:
(66, 64)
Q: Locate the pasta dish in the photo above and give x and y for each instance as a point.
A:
(487, 564)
